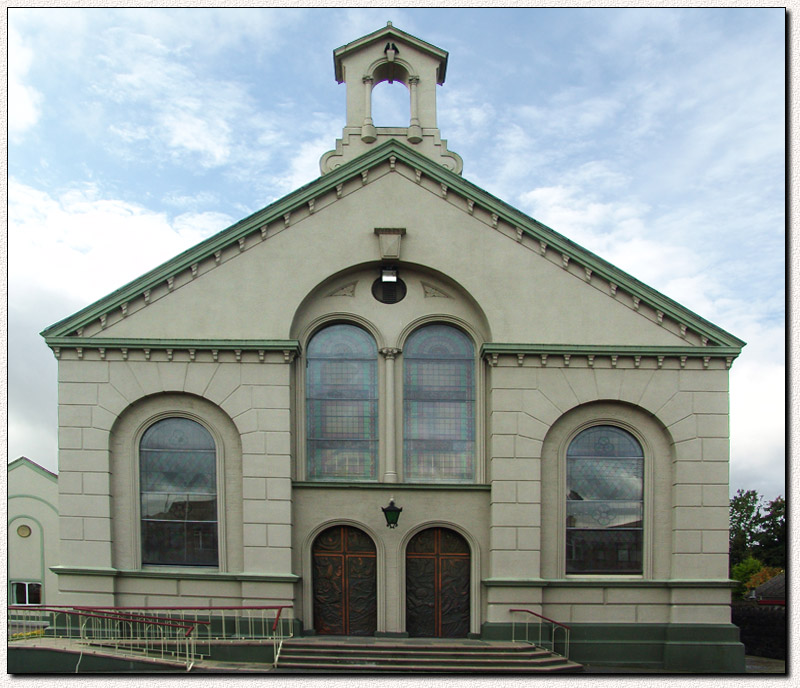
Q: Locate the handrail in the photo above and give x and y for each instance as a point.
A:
(159, 629)
(555, 625)
(542, 617)
(84, 612)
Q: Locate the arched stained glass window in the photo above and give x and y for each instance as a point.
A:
(178, 490)
(342, 404)
(439, 405)
(605, 471)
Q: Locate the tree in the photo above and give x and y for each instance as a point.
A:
(745, 517)
(761, 576)
(743, 572)
(770, 539)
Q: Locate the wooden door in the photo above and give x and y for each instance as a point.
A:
(437, 584)
(345, 582)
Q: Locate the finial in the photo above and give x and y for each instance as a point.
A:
(388, 23)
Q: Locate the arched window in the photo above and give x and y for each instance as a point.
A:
(439, 405)
(342, 404)
(178, 489)
(605, 471)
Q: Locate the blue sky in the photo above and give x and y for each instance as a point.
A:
(654, 138)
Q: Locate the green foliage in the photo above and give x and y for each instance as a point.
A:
(742, 573)
(771, 540)
(757, 529)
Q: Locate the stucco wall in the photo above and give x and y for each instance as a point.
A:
(33, 502)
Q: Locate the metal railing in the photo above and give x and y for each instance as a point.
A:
(180, 634)
(540, 620)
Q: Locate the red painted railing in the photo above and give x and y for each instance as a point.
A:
(182, 634)
(554, 626)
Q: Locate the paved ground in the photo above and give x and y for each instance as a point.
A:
(764, 665)
(753, 665)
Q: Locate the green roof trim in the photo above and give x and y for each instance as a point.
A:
(25, 461)
(291, 345)
(610, 350)
(456, 185)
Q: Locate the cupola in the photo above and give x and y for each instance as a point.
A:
(390, 55)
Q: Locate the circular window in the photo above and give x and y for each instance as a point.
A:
(24, 531)
(389, 292)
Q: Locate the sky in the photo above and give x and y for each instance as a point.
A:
(655, 138)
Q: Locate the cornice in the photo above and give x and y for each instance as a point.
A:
(558, 355)
(289, 348)
(391, 156)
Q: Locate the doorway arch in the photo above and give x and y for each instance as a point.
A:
(344, 574)
(438, 563)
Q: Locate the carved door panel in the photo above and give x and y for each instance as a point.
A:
(437, 584)
(345, 582)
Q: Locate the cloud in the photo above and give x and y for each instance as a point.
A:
(24, 101)
(81, 245)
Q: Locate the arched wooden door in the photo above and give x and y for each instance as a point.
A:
(437, 584)
(345, 582)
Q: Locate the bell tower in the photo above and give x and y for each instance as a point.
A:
(390, 55)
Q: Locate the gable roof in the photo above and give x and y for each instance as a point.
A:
(24, 461)
(387, 33)
(773, 589)
(474, 200)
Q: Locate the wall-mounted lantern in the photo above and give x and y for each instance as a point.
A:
(392, 514)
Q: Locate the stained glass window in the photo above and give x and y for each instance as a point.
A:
(605, 470)
(342, 404)
(178, 490)
(439, 405)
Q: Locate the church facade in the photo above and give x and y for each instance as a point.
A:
(234, 423)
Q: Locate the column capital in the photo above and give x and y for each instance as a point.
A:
(390, 353)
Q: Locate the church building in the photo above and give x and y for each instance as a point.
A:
(391, 344)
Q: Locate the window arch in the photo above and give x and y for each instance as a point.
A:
(178, 493)
(342, 404)
(439, 405)
(605, 502)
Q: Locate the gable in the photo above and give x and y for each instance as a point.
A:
(535, 285)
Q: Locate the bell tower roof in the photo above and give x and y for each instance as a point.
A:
(390, 54)
(388, 34)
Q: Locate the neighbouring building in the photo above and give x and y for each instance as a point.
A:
(32, 533)
(556, 432)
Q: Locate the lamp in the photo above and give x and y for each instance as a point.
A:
(389, 274)
(391, 513)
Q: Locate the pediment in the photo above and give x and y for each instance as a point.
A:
(208, 262)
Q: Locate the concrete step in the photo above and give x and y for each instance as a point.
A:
(564, 666)
(347, 655)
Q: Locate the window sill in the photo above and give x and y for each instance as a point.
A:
(176, 572)
(342, 484)
(605, 582)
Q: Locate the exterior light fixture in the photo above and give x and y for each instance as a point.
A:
(389, 274)
(392, 514)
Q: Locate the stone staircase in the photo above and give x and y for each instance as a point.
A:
(340, 654)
